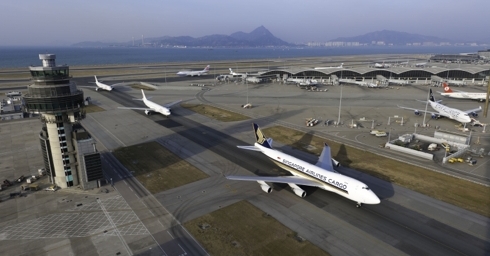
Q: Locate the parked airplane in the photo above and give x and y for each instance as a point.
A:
(194, 73)
(361, 83)
(480, 96)
(420, 65)
(321, 175)
(445, 111)
(382, 65)
(341, 66)
(398, 81)
(152, 106)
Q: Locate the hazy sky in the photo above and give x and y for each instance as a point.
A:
(56, 22)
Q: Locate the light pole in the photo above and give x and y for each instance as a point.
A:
(425, 113)
(340, 105)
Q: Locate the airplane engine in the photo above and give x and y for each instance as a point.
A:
(297, 190)
(434, 116)
(266, 188)
(335, 163)
(417, 112)
(97, 89)
(474, 114)
(147, 112)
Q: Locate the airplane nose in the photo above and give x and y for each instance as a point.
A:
(372, 199)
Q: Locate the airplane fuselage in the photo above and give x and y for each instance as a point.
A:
(331, 181)
(452, 113)
(103, 86)
(466, 95)
(156, 107)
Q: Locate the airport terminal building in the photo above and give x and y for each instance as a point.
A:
(477, 75)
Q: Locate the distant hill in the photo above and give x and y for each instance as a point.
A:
(259, 37)
(391, 37)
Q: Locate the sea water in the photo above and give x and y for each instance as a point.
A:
(14, 57)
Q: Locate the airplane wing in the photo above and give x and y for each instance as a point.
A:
(325, 159)
(254, 148)
(419, 110)
(168, 105)
(149, 109)
(478, 109)
(280, 179)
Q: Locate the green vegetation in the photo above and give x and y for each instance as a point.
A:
(157, 168)
(215, 113)
(446, 188)
(243, 229)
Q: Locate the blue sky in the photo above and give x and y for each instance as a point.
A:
(56, 22)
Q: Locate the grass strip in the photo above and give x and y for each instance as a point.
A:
(243, 229)
(215, 113)
(156, 167)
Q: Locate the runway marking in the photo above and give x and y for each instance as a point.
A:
(185, 253)
(114, 225)
(125, 182)
(131, 189)
(169, 233)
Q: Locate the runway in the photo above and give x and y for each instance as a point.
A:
(404, 223)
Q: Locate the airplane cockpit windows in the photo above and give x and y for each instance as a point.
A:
(366, 188)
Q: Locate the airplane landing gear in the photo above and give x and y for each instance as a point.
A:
(358, 205)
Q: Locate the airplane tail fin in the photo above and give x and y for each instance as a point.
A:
(431, 96)
(143, 93)
(260, 137)
(446, 87)
(206, 69)
(96, 79)
(231, 71)
(341, 65)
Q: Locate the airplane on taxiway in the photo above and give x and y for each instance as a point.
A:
(480, 96)
(152, 106)
(194, 73)
(445, 111)
(321, 175)
(101, 86)
(341, 66)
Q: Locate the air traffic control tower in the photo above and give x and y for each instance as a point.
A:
(69, 159)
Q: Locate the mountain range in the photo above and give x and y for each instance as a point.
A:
(259, 37)
(391, 37)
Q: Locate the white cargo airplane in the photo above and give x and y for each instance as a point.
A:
(480, 96)
(153, 107)
(321, 175)
(445, 111)
(194, 73)
(341, 66)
